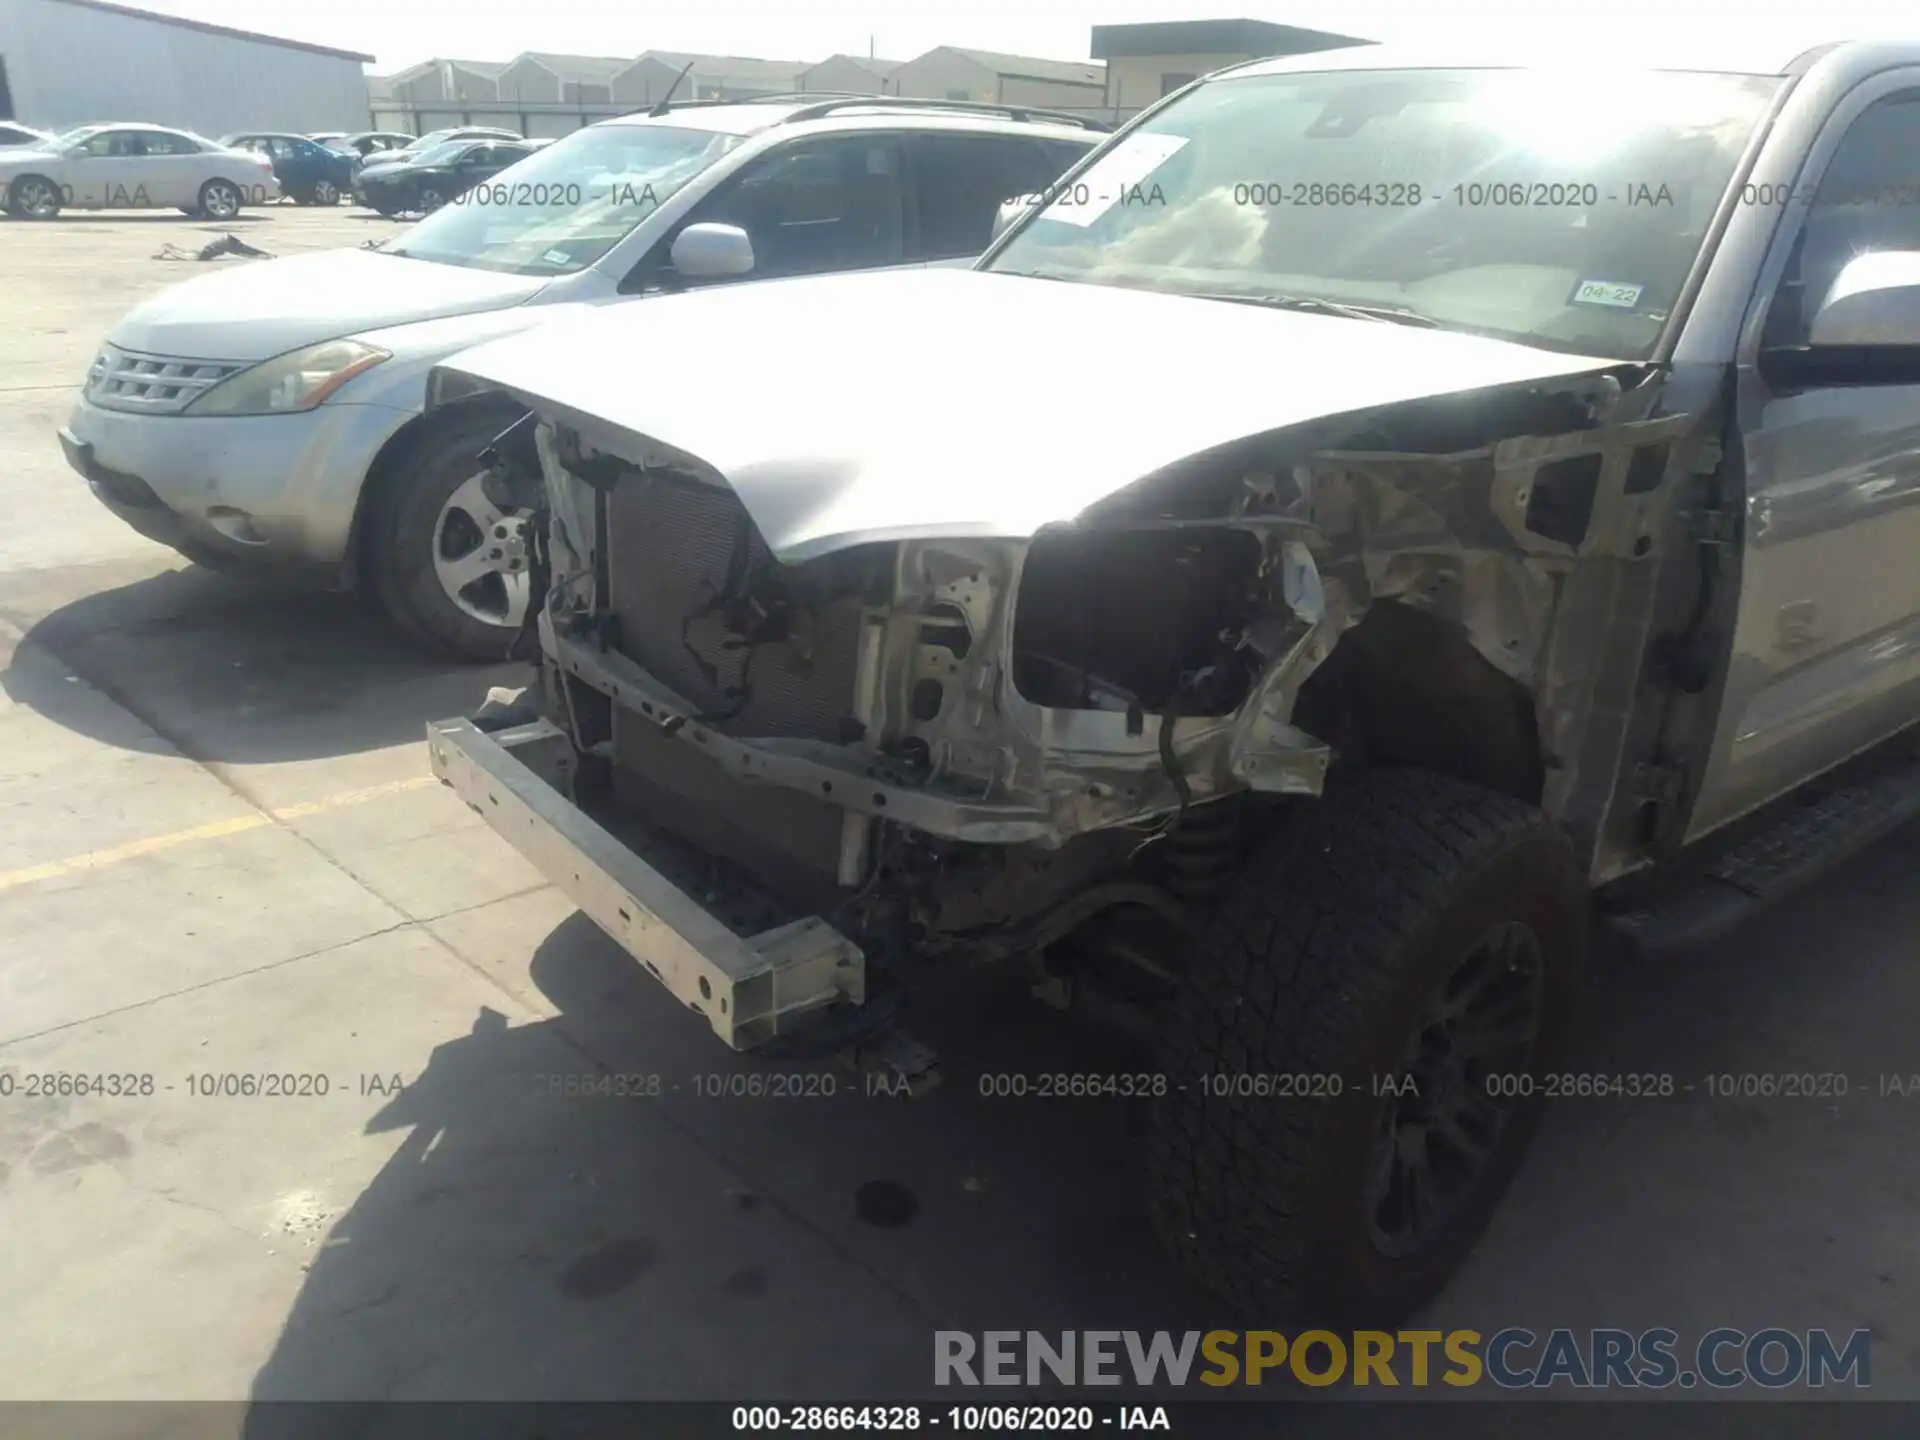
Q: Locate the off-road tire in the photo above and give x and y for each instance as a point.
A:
(404, 513)
(1321, 961)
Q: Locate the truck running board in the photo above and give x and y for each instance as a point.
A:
(750, 989)
(1812, 835)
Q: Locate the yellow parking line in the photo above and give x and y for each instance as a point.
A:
(354, 797)
(113, 855)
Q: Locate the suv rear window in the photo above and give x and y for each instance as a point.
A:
(960, 181)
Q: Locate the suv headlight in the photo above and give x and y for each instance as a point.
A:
(298, 380)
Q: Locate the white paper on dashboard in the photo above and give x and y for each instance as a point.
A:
(1084, 199)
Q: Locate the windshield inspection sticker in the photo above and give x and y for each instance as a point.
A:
(1116, 178)
(1606, 292)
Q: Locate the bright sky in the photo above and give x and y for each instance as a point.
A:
(403, 34)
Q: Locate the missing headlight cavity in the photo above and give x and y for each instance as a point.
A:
(945, 627)
(928, 696)
(1150, 619)
(1647, 468)
(1561, 506)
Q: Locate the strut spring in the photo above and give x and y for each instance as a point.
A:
(1203, 850)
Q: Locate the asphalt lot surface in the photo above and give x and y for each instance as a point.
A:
(220, 854)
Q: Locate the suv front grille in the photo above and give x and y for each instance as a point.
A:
(153, 384)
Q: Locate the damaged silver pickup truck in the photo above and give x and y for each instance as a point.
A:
(1370, 522)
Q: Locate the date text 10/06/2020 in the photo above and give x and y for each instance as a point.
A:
(1559, 195)
(826, 1084)
(985, 1419)
(1397, 194)
(1799, 1085)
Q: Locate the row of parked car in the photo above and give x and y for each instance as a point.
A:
(394, 174)
(142, 166)
(132, 166)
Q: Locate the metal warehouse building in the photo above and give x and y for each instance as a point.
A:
(72, 62)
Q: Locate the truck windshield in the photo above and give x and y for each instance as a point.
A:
(567, 204)
(1561, 210)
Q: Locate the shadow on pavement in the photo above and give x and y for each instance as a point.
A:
(706, 1244)
(146, 217)
(523, 1243)
(232, 672)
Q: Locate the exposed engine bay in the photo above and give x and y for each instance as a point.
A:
(981, 742)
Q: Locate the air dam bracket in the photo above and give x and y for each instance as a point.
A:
(750, 989)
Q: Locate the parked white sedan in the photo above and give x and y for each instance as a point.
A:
(132, 167)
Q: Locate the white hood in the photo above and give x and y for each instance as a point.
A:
(253, 309)
(951, 402)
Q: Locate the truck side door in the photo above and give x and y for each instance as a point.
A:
(1827, 642)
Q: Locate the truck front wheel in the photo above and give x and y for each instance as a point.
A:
(1361, 1049)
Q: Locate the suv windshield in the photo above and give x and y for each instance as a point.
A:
(1560, 210)
(568, 203)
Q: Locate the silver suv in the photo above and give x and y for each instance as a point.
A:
(270, 416)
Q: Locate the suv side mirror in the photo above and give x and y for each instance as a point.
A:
(711, 252)
(1010, 211)
(1875, 300)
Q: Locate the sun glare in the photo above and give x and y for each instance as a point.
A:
(1575, 116)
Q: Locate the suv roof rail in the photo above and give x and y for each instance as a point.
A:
(657, 107)
(819, 103)
(961, 107)
(784, 97)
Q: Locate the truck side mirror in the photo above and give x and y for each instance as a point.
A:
(1866, 331)
(1875, 301)
(711, 251)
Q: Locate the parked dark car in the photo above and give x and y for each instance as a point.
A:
(308, 172)
(437, 176)
(411, 151)
(369, 143)
(415, 148)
